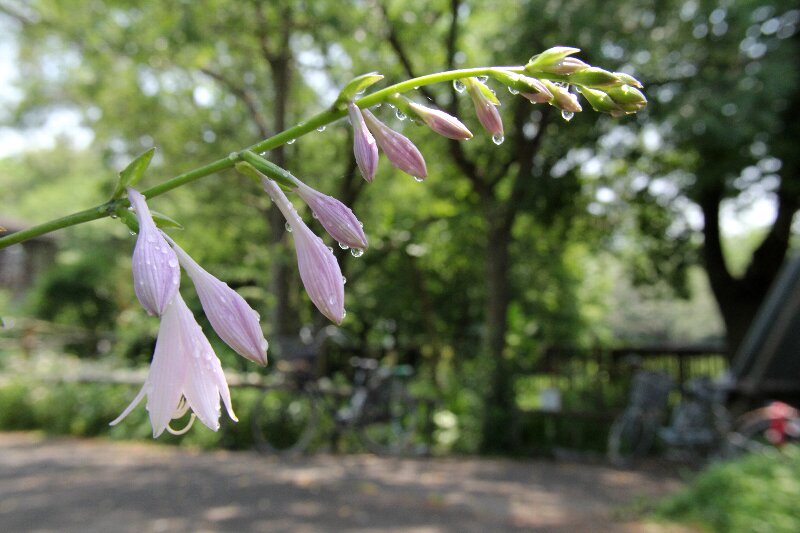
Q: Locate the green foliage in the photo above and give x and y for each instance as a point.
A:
(758, 493)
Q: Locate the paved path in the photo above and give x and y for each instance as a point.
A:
(71, 485)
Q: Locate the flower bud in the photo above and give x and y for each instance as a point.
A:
(629, 99)
(318, 267)
(337, 219)
(398, 148)
(485, 106)
(156, 274)
(555, 61)
(440, 122)
(600, 101)
(230, 315)
(595, 77)
(364, 147)
(562, 98)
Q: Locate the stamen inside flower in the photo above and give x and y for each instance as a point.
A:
(180, 410)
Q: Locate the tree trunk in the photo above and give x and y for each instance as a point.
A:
(498, 421)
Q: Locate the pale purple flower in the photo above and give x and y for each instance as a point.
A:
(398, 148)
(364, 147)
(485, 108)
(318, 268)
(156, 274)
(337, 219)
(440, 122)
(539, 93)
(185, 374)
(232, 318)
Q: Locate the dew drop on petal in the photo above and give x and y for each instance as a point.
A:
(288, 227)
(459, 86)
(330, 249)
(344, 313)
(498, 139)
(567, 115)
(343, 246)
(314, 215)
(356, 252)
(172, 263)
(291, 141)
(344, 280)
(132, 232)
(512, 90)
(418, 179)
(321, 128)
(399, 114)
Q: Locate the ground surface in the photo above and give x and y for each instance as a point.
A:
(68, 485)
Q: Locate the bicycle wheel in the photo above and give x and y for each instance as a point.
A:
(631, 436)
(284, 420)
(389, 419)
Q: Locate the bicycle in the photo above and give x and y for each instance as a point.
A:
(700, 426)
(378, 405)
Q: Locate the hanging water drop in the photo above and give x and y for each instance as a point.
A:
(321, 128)
(356, 252)
(418, 179)
(498, 139)
(344, 313)
(512, 90)
(330, 249)
(233, 156)
(344, 280)
(483, 79)
(399, 114)
(314, 215)
(288, 227)
(291, 141)
(567, 115)
(459, 86)
(343, 246)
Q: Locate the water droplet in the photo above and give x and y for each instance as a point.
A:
(362, 91)
(233, 156)
(331, 300)
(360, 223)
(416, 87)
(291, 141)
(399, 114)
(172, 263)
(314, 215)
(498, 139)
(512, 90)
(567, 115)
(418, 179)
(321, 128)
(151, 238)
(356, 252)
(459, 86)
(114, 215)
(344, 280)
(132, 232)
(288, 227)
(483, 79)
(344, 313)
(330, 249)
(377, 106)
(343, 246)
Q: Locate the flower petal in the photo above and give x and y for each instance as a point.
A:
(398, 148)
(337, 219)
(156, 274)
(364, 147)
(232, 318)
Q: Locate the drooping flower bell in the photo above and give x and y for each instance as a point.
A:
(185, 374)
(232, 318)
(318, 267)
(485, 106)
(337, 219)
(156, 274)
(364, 147)
(441, 122)
(400, 151)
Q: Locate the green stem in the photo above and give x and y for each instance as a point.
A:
(321, 119)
